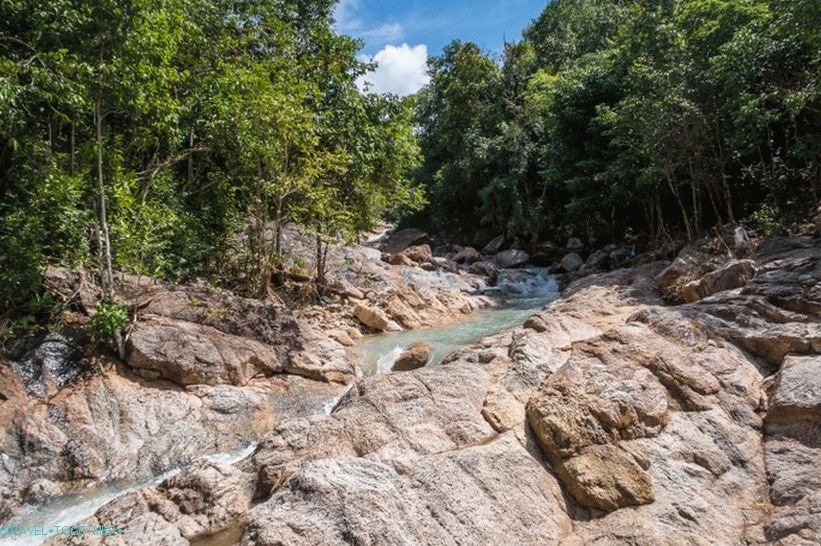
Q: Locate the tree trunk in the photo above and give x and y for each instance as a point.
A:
(320, 262)
(191, 159)
(683, 209)
(108, 272)
(73, 150)
(105, 267)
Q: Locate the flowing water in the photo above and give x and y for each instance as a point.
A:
(525, 292)
(72, 509)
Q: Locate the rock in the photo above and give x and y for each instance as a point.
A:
(598, 260)
(42, 491)
(735, 274)
(350, 291)
(116, 426)
(196, 504)
(797, 392)
(492, 492)
(418, 254)
(606, 478)
(398, 259)
(72, 287)
(817, 221)
(487, 269)
(690, 264)
(50, 366)
(574, 244)
(342, 337)
(443, 263)
(572, 262)
(374, 318)
(415, 356)
(494, 245)
(193, 354)
(402, 239)
(511, 258)
(468, 255)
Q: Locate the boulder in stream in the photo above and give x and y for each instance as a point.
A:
(512, 258)
(414, 357)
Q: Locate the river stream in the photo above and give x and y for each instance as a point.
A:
(524, 291)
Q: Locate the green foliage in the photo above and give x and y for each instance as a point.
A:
(765, 220)
(200, 124)
(668, 117)
(109, 319)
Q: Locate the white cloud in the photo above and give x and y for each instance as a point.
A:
(401, 70)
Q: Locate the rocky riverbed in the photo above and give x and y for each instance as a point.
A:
(664, 403)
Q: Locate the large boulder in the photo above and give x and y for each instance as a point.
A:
(419, 253)
(734, 274)
(574, 244)
(487, 269)
(415, 356)
(572, 262)
(49, 366)
(492, 492)
(402, 239)
(512, 258)
(468, 255)
(690, 264)
(193, 354)
(494, 245)
(797, 391)
(374, 318)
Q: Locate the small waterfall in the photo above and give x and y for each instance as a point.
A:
(72, 509)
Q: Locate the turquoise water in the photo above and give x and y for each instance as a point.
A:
(525, 292)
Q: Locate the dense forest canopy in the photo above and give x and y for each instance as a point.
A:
(169, 137)
(667, 117)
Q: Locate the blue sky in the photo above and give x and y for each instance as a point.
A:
(399, 35)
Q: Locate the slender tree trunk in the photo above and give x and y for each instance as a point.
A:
(73, 150)
(191, 159)
(320, 262)
(106, 268)
(681, 206)
(108, 271)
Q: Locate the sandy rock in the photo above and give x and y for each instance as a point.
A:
(112, 427)
(789, 274)
(418, 254)
(734, 274)
(398, 259)
(690, 264)
(797, 391)
(512, 258)
(468, 255)
(572, 262)
(607, 478)
(72, 287)
(415, 356)
(192, 354)
(342, 337)
(429, 410)
(492, 492)
(373, 318)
